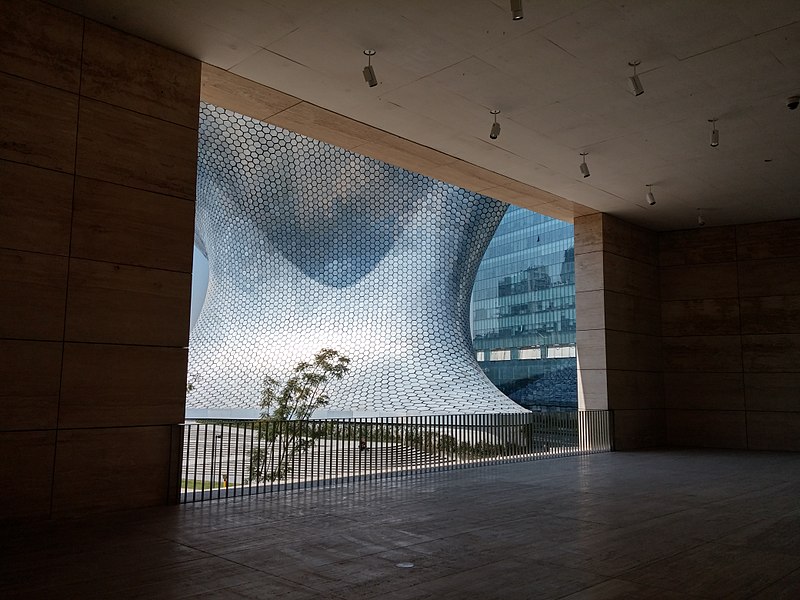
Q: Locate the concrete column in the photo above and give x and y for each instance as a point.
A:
(98, 151)
(618, 327)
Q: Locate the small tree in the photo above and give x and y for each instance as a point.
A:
(284, 410)
(192, 379)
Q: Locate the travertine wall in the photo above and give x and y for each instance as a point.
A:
(98, 145)
(618, 328)
(731, 323)
(691, 338)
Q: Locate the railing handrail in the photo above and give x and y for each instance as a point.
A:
(233, 458)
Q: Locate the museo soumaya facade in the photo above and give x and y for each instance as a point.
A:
(523, 310)
(312, 246)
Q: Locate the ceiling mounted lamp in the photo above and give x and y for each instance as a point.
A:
(369, 72)
(714, 133)
(495, 126)
(651, 200)
(634, 83)
(516, 10)
(584, 166)
(701, 222)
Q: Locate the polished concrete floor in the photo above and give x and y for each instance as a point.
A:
(655, 525)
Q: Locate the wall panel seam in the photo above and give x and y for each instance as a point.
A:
(66, 291)
(131, 187)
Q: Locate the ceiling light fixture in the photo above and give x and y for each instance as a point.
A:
(369, 72)
(516, 10)
(634, 83)
(584, 166)
(651, 200)
(714, 133)
(700, 220)
(495, 126)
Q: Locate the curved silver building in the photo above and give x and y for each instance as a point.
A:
(311, 246)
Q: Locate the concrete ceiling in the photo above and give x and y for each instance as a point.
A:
(559, 76)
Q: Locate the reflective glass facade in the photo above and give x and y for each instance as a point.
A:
(311, 246)
(523, 310)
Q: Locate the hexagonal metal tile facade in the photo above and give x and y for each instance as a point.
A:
(312, 246)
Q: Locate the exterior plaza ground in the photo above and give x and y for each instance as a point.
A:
(665, 524)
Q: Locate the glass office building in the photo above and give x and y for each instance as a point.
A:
(523, 310)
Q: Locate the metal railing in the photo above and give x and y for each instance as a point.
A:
(228, 459)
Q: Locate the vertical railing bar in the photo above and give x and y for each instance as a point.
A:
(362, 470)
(429, 462)
(480, 432)
(370, 444)
(235, 460)
(241, 436)
(287, 483)
(384, 424)
(293, 475)
(487, 433)
(196, 459)
(363, 432)
(357, 456)
(187, 436)
(357, 459)
(316, 434)
(367, 455)
(273, 429)
(339, 434)
(307, 425)
(219, 471)
(430, 458)
(255, 438)
(247, 457)
(333, 464)
(425, 458)
(205, 460)
(214, 458)
(227, 458)
(557, 432)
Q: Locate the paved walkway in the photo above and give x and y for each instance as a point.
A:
(655, 525)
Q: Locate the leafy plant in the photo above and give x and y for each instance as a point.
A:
(192, 379)
(285, 409)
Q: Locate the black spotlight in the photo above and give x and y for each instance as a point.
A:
(516, 10)
(634, 83)
(584, 166)
(495, 126)
(651, 199)
(369, 72)
(714, 141)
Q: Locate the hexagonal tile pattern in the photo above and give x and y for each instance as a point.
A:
(312, 246)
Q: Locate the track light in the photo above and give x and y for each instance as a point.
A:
(651, 200)
(634, 83)
(584, 166)
(369, 72)
(700, 220)
(516, 10)
(714, 133)
(495, 126)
